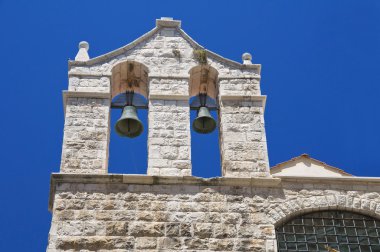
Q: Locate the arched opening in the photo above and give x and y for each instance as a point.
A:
(330, 230)
(129, 124)
(204, 117)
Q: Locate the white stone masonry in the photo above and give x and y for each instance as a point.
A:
(86, 136)
(169, 150)
(242, 139)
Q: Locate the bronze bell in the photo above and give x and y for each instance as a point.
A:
(129, 124)
(204, 123)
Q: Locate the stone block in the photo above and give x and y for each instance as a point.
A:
(116, 228)
(147, 229)
(185, 229)
(203, 230)
(222, 231)
(75, 204)
(231, 218)
(169, 243)
(146, 243)
(172, 229)
(250, 245)
(221, 244)
(196, 244)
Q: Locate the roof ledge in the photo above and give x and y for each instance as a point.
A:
(59, 178)
(168, 22)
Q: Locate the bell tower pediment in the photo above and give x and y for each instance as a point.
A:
(166, 45)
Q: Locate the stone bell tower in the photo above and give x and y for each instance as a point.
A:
(166, 209)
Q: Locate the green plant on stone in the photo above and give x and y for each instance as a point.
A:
(201, 56)
(176, 53)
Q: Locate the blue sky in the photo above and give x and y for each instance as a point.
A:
(320, 69)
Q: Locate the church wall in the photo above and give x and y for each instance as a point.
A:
(185, 217)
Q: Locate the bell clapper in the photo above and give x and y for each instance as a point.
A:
(128, 126)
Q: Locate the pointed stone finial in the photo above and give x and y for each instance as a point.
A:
(82, 54)
(247, 58)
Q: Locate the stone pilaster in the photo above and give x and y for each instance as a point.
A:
(169, 151)
(242, 137)
(86, 133)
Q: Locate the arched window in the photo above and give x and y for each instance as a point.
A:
(330, 231)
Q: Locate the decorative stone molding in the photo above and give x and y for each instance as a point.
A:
(293, 208)
(363, 183)
(74, 73)
(169, 97)
(168, 22)
(243, 77)
(91, 179)
(261, 99)
(75, 94)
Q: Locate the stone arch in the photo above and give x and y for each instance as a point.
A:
(203, 79)
(128, 75)
(290, 209)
